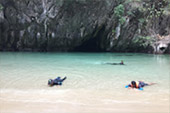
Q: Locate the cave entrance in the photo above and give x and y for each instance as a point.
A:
(162, 48)
(93, 43)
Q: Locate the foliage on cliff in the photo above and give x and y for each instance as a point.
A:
(82, 25)
(148, 15)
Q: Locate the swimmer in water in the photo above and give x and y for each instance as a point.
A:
(57, 81)
(121, 63)
(138, 84)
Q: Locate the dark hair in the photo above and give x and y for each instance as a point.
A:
(133, 83)
(50, 82)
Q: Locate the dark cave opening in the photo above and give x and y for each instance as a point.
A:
(162, 48)
(93, 43)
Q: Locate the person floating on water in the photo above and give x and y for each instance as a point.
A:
(121, 63)
(57, 81)
(138, 84)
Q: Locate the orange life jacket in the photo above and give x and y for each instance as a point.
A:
(137, 84)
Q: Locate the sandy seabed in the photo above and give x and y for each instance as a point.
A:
(80, 101)
(39, 107)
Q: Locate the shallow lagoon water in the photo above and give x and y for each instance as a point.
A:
(91, 84)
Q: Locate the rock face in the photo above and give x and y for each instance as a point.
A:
(69, 25)
(162, 45)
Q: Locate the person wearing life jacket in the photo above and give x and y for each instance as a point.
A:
(57, 81)
(138, 84)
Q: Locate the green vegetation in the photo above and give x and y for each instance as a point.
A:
(143, 41)
(144, 13)
(141, 20)
(130, 1)
(113, 31)
(150, 9)
(167, 9)
(153, 9)
(130, 14)
(1, 7)
(119, 12)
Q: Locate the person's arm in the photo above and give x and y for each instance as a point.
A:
(63, 79)
(127, 86)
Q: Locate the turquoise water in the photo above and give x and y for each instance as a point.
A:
(88, 77)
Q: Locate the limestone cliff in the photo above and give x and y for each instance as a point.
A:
(76, 25)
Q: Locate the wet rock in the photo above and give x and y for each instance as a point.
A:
(163, 45)
(70, 25)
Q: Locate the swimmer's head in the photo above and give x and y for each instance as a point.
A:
(122, 62)
(133, 84)
(50, 82)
